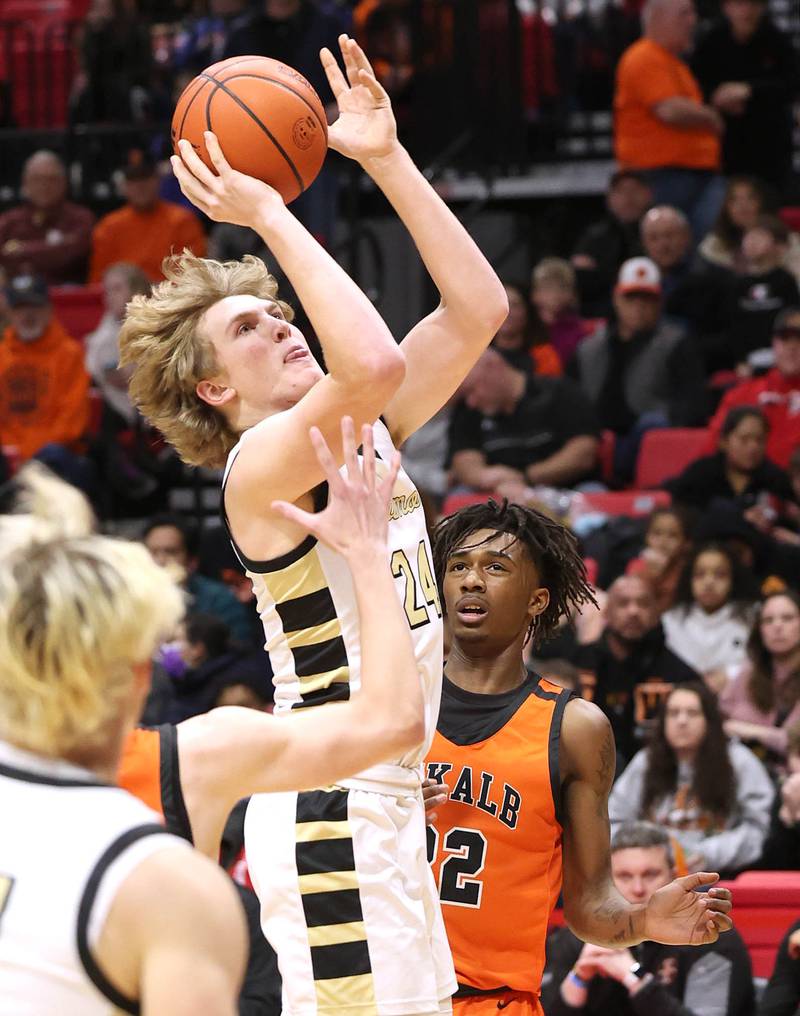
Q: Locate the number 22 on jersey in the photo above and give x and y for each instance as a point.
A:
(419, 587)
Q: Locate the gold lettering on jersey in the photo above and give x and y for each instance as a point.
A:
(404, 504)
(6, 885)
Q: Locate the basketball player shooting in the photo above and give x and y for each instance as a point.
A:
(218, 367)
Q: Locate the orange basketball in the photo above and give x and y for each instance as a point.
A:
(269, 121)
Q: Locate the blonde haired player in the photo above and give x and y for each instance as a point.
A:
(347, 897)
(100, 909)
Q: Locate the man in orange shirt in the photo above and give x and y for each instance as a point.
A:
(661, 126)
(145, 230)
(43, 383)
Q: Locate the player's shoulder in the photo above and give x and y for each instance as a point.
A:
(586, 736)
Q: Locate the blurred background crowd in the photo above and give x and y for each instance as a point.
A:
(632, 173)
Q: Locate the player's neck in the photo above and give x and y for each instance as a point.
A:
(101, 758)
(485, 675)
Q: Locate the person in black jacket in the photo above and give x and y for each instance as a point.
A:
(739, 472)
(653, 979)
(625, 671)
(748, 71)
(782, 994)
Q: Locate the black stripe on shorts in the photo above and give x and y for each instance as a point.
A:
(325, 855)
(344, 959)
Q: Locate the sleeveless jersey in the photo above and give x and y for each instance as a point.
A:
(149, 769)
(496, 845)
(68, 843)
(307, 605)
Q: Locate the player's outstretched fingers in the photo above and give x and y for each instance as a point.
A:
(350, 451)
(195, 165)
(326, 460)
(387, 485)
(290, 512)
(190, 185)
(333, 72)
(215, 153)
(368, 457)
(698, 879)
(350, 61)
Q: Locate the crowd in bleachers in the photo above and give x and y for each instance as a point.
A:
(645, 387)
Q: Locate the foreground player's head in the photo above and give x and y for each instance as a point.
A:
(508, 573)
(80, 616)
(213, 352)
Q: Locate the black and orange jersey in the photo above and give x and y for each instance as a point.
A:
(149, 769)
(496, 845)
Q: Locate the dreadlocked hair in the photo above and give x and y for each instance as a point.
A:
(551, 546)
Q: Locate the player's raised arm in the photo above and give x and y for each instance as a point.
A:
(230, 753)
(442, 348)
(593, 907)
(365, 366)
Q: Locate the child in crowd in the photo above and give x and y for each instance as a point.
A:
(710, 623)
(666, 545)
(761, 290)
(554, 293)
(523, 338)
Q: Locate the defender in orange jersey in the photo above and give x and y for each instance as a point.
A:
(528, 770)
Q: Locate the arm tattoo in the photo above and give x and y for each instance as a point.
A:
(607, 760)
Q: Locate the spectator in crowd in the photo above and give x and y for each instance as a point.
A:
(146, 229)
(624, 670)
(695, 299)
(710, 623)
(523, 337)
(120, 283)
(745, 202)
(762, 289)
(781, 996)
(661, 125)
(173, 542)
(47, 235)
(555, 296)
(711, 794)
(603, 246)
(777, 393)
(44, 404)
(639, 371)
(739, 472)
(714, 980)
(661, 562)
(512, 430)
(385, 31)
(782, 847)
(761, 699)
(115, 60)
(204, 38)
(747, 68)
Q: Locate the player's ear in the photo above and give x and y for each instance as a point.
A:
(215, 395)
(538, 602)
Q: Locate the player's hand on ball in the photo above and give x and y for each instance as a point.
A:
(366, 127)
(355, 522)
(228, 195)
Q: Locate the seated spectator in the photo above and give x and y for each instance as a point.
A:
(203, 39)
(739, 472)
(777, 393)
(711, 794)
(44, 388)
(120, 283)
(761, 290)
(661, 562)
(710, 623)
(625, 670)
(639, 371)
(781, 996)
(510, 431)
(747, 68)
(661, 125)
(745, 201)
(782, 847)
(651, 978)
(385, 31)
(522, 338)
(173, 542)
(146, 229)
(761, 698)
(697, 299)
(47, 235)
(555, 297)
(602, 247)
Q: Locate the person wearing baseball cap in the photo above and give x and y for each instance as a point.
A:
(640, 370)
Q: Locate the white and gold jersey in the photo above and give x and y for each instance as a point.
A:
(308, 608)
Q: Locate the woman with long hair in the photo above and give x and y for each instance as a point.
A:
(761, 700)
(713, 795)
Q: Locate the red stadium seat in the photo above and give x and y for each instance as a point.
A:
(78, 308)
(666, 452)
(606, 454)
(765, 903)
